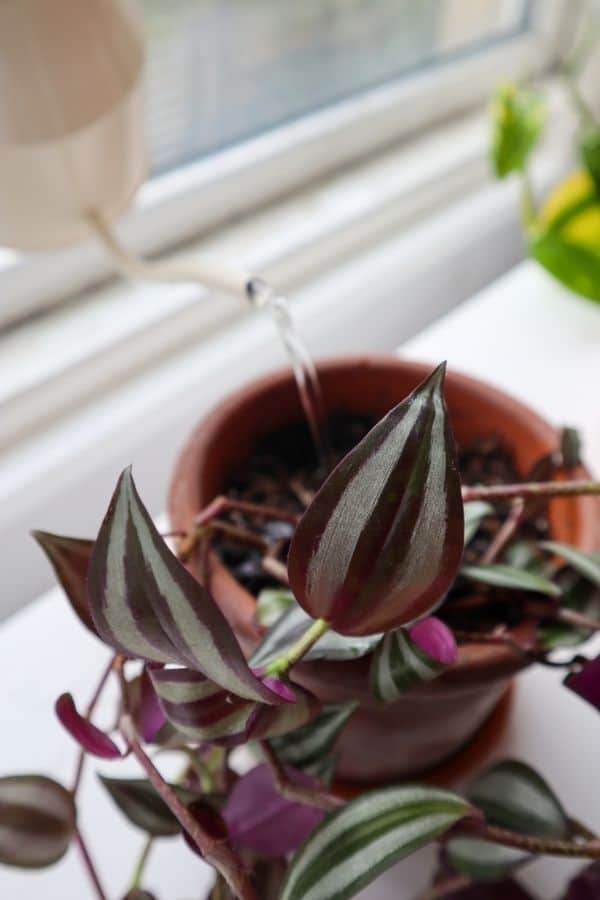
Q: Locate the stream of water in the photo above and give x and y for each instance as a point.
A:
(263, 296)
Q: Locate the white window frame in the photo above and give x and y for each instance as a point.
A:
(197, 198)
(359, 203)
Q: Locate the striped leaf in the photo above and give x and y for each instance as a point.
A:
(313, 742)
(512, 795)
(405, 659)
(292, 625)
(37, 821)
(511, 578)
(475, 513)
(143, 807)
(482, 860)
(587, 564)
(201, 711)
(146, 604)
(359, 841)
(70, 559)
(382, 541)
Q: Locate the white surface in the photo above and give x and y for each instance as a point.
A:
(524, 334)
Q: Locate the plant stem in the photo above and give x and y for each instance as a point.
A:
(216, 852)
(450, 885)
(577, 619)
(505, 533)
(276, 569)
(300, 793)
(589, 849)
(88, 713)
(527, 201)
(89, 865)
(310, 637)
(531, 489)
(138, 874)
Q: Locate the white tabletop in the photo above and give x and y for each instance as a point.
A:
(524, 334)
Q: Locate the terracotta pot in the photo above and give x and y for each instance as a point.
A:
(431, 723)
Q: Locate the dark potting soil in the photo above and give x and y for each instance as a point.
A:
(282, 473)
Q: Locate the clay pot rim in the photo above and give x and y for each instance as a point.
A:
(476, 662)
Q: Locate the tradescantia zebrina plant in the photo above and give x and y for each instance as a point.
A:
(370, 564)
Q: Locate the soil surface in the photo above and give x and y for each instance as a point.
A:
(282, 472)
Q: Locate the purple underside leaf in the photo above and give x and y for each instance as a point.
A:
(87, 735)
(151, 716)
(586, 885)
(382, 541)
(264, 822)
(586, 682)
(201, 711)
(70, 559)
(145, 603)
(503, 890)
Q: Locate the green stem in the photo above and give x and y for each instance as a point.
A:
(138, 874)
(528, 212)
(310, 637)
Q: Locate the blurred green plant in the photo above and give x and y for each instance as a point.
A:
(562, 232)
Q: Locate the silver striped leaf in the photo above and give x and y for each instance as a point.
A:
(146, 604)
(313, 742)
(398, 665)
(37, 821)
(382, 541)
(364, 838)
(201, 711)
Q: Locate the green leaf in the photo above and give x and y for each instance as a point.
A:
(271, 604)
(364, 838)
(579, 594)
(308, 745)
(37, 821)
(475, 512)
(518, 118)
(483, 861)
(381, 543)
(514, 579)
(586, 564)
(512, 795)
(576, 265)
(590, 152)
(570, 447)
(292, 625)
(143, 807)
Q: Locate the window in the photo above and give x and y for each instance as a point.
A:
(221, 71)
(249, 100)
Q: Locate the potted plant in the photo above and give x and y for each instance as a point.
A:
(563, 232)
(376, 564)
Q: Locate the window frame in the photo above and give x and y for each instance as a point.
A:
(199, 198)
